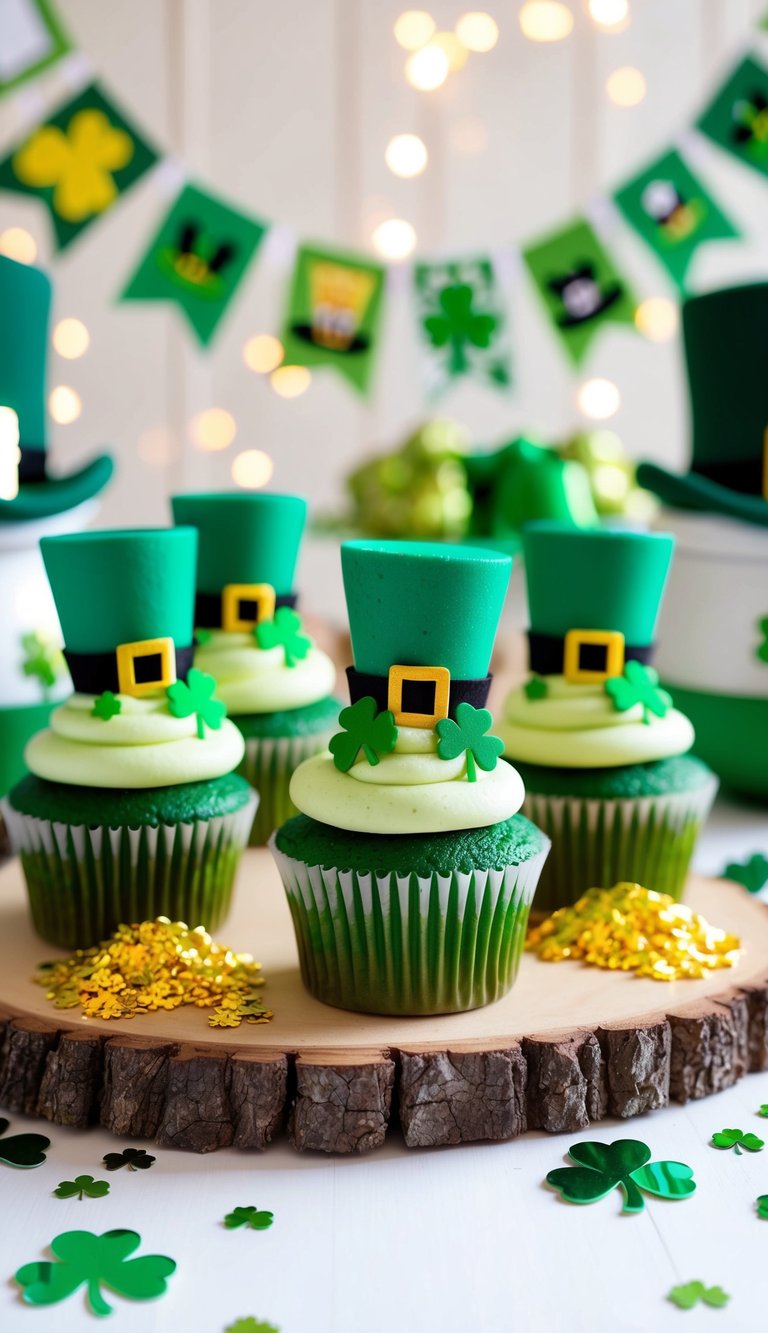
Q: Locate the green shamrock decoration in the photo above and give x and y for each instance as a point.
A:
(81, 1187)
(106, 706)
(42, 659)
(203, 636)
(762, 651)
(250, 1216)
(763, 1110)
(752, 874)
(458, 326)
(536, 688)
(761, 1203)
(601, 1167)
(84, 1258)
(136, 1159)
(638, 685)
(23, 1150)
(284, 632)
(250, 1324)
(364, 729)
(687, 1296)
(197, 696)
(467, 735)
(737, 1139)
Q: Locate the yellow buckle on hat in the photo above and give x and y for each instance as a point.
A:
(576, 639)
(128, 654)
(400, 675)
(232, 598)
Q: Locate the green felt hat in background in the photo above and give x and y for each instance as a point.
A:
(725, 335)
(423, 604)
(244, 538)
(121, 587)
(25, 303)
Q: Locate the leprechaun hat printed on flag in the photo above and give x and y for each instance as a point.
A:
(25, 303)
(725, 334)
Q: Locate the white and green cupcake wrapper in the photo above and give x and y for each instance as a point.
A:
(84, 882)
(597, 843)
(407, 943)
(268, 764)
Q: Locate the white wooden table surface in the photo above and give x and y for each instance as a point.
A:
(442, 1241)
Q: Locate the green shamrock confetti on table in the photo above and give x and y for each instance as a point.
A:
(284, 631)
(250, 1324)
(106, 706)
(82, 1258)
(737, 1139)
(364, 729)
(467, 735)
(197, 697)
(459, 326)
(250, 1216)
(602, 1167)
(763, 1110)
(536, 688)
(752, 873)
(43, 659)
(136, 1159)
(638, 685)
(82, 1187)
(23, 1150)
(761, 1203)
(690, 1294)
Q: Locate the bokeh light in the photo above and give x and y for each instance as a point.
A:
(477, 31)
(17, 243)
(427, 69)
(394, 239)
(213, 429)
(545, 20)
(290, 381)
(413, 29)
(626, 86)
(611, 15)
(457, 54)
(64, 404)
(71, 338)
(598, 399)
(263, 353)
(252, 469)
(406, 155)
(657, 318)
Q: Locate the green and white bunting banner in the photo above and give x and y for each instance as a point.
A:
(31, 40)
(737, 117)
(198, 257)
(580, 286)
(334, 313)
(673, 212)
(461, 321)
(78, 162)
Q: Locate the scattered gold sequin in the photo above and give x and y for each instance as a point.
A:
(156, 965)
(632, 929)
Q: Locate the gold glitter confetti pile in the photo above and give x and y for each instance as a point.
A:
(632, 929)
(158, 965)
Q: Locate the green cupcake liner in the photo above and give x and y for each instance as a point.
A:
(407, 943)
(598, 843)
(84, 882)
(268, 764)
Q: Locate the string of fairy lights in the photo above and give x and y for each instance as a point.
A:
(430, 58)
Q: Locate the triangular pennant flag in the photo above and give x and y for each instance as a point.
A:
(673, 212)
(32, 40)
(78, 161)
(197, 258)
(737, 117)
(580, 285)
(334, 313)
(461, 321)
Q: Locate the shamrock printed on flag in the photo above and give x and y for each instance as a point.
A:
(737, 117)
(197, 258)
(78, 161)
(334, 313)
(673, 212)
(580, 286)
(461, 321)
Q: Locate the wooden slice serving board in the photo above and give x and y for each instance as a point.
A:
(567, 1046)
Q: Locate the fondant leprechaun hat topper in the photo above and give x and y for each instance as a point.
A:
(125, 601)
(423, 618)
(593, 597)
(25, 303)
(248, 548)
(725, 335)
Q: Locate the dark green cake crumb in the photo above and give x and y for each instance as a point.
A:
(663, 777)
(305, 721)
(129, 808)
(508, 843)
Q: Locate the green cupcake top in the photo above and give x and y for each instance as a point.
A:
(665, 777)
(116, 808)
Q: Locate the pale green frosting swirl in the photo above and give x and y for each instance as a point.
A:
(577, 726)
(256, 680)
(142, 746)
(411, 790)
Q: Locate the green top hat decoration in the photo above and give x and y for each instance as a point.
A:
(423, 618)
(25, 302)
(248, 548)
(725, 335)
(125, 601)
(594, 598)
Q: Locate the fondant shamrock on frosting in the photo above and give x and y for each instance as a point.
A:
(364, 729)
(284, 631)
(638, 685)
(196, 696)
(468, 735)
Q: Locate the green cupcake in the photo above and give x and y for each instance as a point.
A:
(131, 809)
(410, 874)
(276, 684)
(601, 749)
